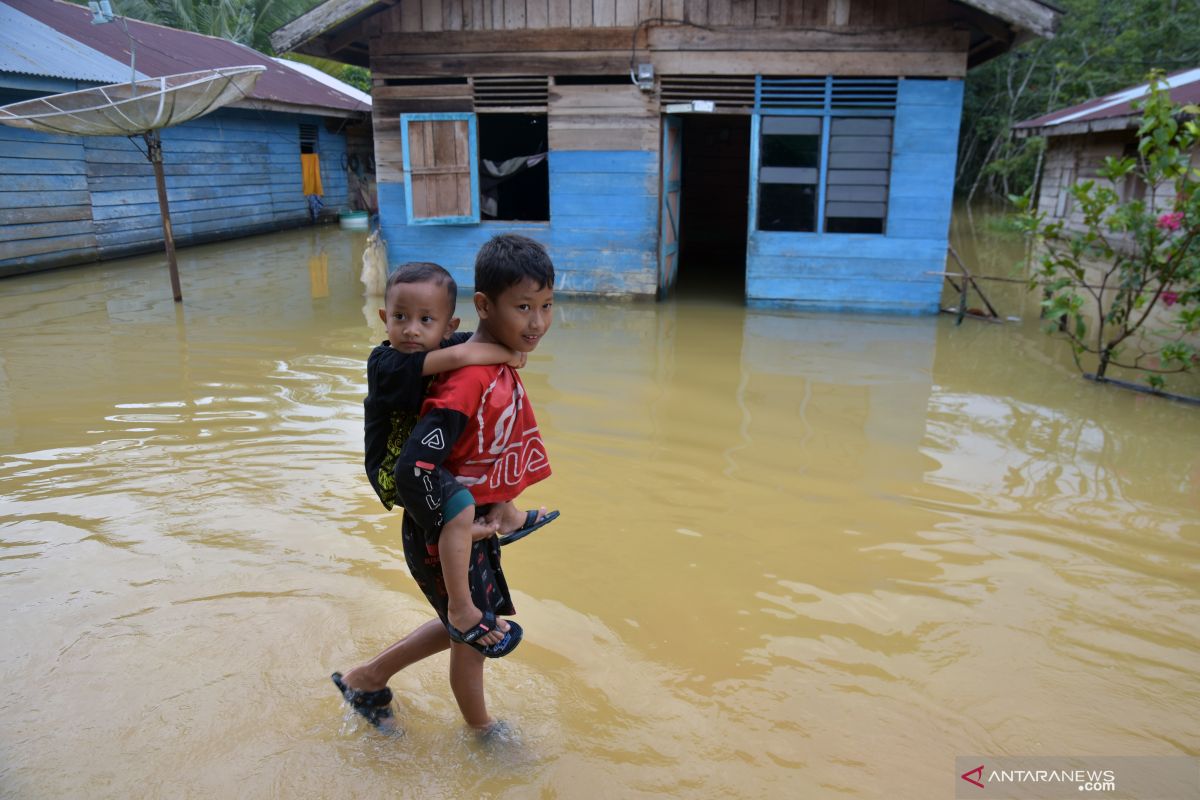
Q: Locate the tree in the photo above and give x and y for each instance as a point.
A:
(1101, 46)
(247, 22)
(1103, 284)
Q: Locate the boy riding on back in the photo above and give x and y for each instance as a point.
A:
(474, 448)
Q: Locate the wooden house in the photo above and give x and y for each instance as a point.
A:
(72, 199)
(1079, 138)
(801, 150)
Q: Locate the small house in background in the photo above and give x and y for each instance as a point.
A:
(801, 151)
(238, 171)
(1079, 138)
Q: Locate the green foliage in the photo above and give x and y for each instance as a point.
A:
(1101, 281)
(248, 22)
(1101, 46)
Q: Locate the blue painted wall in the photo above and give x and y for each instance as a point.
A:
(69, 199)
(865, 272)
(602, 233)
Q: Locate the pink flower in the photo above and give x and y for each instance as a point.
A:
(1170, 298)
(1170, 222)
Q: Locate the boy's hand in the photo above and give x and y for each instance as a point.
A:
(517, 361)
(482, 528)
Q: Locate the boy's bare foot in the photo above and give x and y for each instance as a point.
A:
(464, 620)
(508, 518)
(360, 678)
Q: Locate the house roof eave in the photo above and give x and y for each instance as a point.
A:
(322, 20)
(1032, 18)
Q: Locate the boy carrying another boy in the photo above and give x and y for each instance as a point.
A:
(475, 447)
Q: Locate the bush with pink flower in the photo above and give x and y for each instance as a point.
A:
(1108, 287)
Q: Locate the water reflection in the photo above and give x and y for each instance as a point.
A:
(799, 554)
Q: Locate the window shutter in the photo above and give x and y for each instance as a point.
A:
(441, 168)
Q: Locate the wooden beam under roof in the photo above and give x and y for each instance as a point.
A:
(1037, 18)
(328, 15)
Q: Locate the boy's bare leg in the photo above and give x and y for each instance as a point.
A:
(454, 549)
(427, 640)
(466, 681)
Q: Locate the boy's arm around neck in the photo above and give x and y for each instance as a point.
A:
(470, 354)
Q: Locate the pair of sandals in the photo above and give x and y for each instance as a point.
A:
(376, 706)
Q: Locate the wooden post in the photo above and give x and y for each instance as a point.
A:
(154, 153)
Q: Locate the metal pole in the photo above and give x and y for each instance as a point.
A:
(154, 153)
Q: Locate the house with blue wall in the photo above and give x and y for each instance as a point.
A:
(799, 153)
(73, 199)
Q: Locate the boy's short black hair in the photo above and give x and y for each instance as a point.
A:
(508, 259)
(423, 272)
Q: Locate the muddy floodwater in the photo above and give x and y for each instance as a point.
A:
(800, 555)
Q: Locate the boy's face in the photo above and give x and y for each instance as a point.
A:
(418, 316)
(520, 316)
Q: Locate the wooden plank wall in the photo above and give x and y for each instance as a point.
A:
(431, 16)
(228, 174)
(45, 213)
(602, 233)
(1071, 159)
(602, 118)
(868, 272)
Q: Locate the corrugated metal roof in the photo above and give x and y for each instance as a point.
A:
(30, 47)
(167, 51)
(1112, 111)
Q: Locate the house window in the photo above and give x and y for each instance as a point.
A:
(514, 179)
(824, 173)
(461, 168)
(789, 173)
(308, 138)
(441, 169)
(824, 153)
(856, 184)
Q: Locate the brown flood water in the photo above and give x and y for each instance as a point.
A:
(800, 555)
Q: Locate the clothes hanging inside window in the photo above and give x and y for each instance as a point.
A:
(495, 174)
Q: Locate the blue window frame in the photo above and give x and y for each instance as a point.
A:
(821, 154)
(441, 168)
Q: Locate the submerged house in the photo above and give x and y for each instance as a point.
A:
(801, 150)
(1079, 138)
(72, 199)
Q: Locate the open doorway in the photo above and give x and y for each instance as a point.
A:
(714, 206)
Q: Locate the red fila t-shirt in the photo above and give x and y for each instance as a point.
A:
(500, 451)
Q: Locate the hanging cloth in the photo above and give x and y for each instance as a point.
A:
(310, 169)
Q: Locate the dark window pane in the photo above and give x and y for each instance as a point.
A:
(787, 207)
(853, 225)
(791, 151)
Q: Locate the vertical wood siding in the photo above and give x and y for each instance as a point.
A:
(871, 272)
(434, 16)
(66, 200)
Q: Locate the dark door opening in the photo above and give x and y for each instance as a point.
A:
(714, 206)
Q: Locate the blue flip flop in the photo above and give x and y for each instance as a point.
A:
(532, 523)
(512, 636)
(374, 706)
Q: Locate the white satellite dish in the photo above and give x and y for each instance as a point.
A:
(138, 108)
